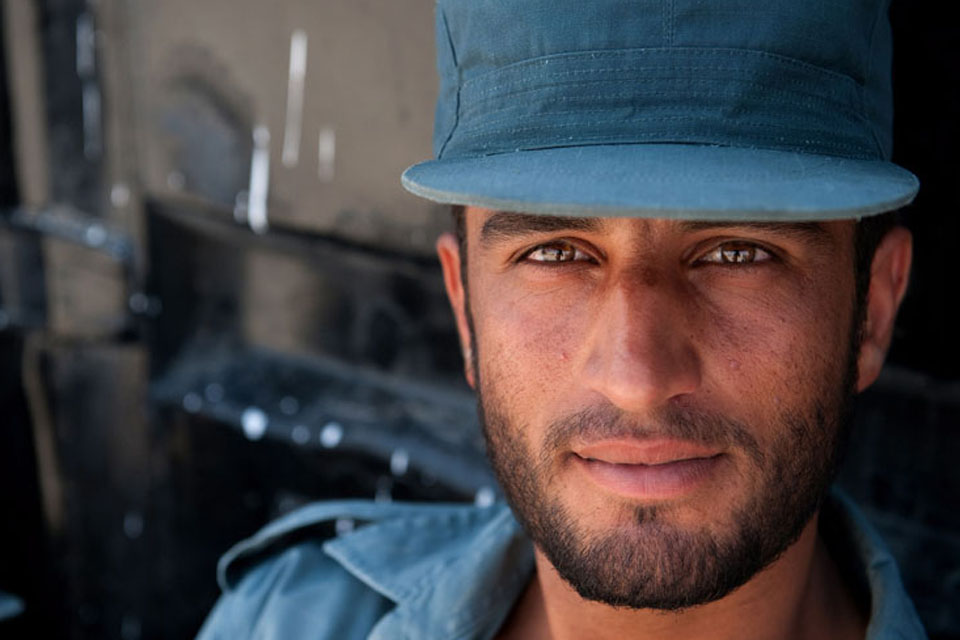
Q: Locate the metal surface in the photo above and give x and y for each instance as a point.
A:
(63, 222)
(64, 270)
(327, 405)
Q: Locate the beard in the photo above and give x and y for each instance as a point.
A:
(651, 561)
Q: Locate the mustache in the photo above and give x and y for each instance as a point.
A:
(606, 421)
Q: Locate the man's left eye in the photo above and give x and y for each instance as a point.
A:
(556, 252)
(736, 253)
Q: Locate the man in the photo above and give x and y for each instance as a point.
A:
(673, 271)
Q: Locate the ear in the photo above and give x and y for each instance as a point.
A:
(448, 249)
(889, 275)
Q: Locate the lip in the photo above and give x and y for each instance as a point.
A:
(646, 452)
(647, 470)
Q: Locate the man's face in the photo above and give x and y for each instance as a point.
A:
(662, 400)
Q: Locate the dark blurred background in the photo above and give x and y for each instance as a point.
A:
(217, 303)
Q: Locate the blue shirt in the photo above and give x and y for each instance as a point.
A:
(10, 605)
(447, 572)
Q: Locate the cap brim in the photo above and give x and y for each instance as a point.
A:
(667, 181)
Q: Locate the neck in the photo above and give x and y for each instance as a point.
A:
(798, 597)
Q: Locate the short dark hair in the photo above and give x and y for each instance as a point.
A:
(460, 224)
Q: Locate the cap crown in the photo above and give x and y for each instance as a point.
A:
(811, 76)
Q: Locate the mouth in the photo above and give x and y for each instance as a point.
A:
(648, 470)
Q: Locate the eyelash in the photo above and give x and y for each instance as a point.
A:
(728, 249)
(558, 246)
(760, 254)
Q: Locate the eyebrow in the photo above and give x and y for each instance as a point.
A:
(504, 225)
(813, 232)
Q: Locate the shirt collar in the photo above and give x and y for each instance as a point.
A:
(233, 563)
(453, 572)
(859, 548)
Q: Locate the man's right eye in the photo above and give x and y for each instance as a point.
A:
(556, 252)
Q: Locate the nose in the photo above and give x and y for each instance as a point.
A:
(640, 353)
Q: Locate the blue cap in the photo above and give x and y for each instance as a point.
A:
(719, 109)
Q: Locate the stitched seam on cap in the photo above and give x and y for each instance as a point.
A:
(788, 95)
(674, 51)
(666, 137)
(453, 55)
(491, 126)
(848, 109)
(636, 135)
(549, 78)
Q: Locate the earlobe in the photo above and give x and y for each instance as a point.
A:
(448, 250)
(889, 275)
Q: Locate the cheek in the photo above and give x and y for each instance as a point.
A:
(527, 341)
(778, 345)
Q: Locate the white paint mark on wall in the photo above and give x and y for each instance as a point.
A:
(259, 180)
(326, 151)
(119, 195)
(294, 123)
